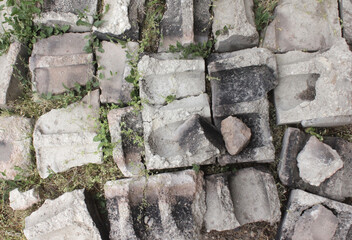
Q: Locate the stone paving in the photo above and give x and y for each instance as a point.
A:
(303, 61)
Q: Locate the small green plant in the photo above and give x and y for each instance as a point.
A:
(312, 131)
(196, 167)
(170, 99)
(263, 12)
(194, 49)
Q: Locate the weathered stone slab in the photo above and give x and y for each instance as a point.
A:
(236, 134)
(337, 187)
(301, 204)
(303, 25)
(202, 20)
(234, 25)
(12, 68)
(165, 75)
(346, 15)
(62, 218)
(255, 196)
(113, 68)
(23, 200)
(127, 153)
(63, 138)
(220, 215)
(240, 81)
(317, 162)
(60, 60)
(316, 223)
(315, 89)
(177, 24)
(164, 206)
(66, 12)
(15, 143)
(122, 19)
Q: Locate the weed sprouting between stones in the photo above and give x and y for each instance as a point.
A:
(263, 11)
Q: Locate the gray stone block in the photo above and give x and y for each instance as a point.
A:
(335, 187)
(12, 68)
(122, 20)
(164, 206)
(63, 138)
(303, 25)
(202, 20)
(234, 26)
(66, 12)
(60, 60)
(240, 82)
(23, 200)
(114, 67)
(65, 217)
(302, 204)
(177, 24)
(15, 144)
(314, 88)
(127, 154)
(346, 15)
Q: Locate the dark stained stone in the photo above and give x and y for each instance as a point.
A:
(5, 151)
(202, 20)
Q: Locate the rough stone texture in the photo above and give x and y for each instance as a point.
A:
(255, 196)
(115, 67)
(316, 223)
(234, 24)
(65, 12)
(63, 138)
(60, 60)
(220, 215)
(346, 15)
(235, 133)
(23, 200)
(317, 162)
(202, 20)
(165, 75)
(240, 82)
(337, 187)
(166, 206)
(12, 68)
(122, 19)
(15, 142)
(315, 89)
(303, 25)
(177, 24)
(65, 217)
(164, 127)
(127, 155)
(301, 203)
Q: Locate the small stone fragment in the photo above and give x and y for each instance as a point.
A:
(66, 217)
(303, 25)
(233, 25)
(177, 24)
(316, 223)
(235, 133)
(23, 200)
(63, 138)
(164, 206)
(12, 69)
(60, 62)
(317, 162)
(15, 144)
(113, 68)
(127, 153)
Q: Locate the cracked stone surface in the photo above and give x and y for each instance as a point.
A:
(66, 12)
(114, 67)
(240, 81)
(62, 218)
(126, 153)
(12, 69)
(174, 210)
(15, 143)
(234, 25)
(302, 205)
(63, 138)
(23, 200)
(315, 88)
(346, 14)
(337, 187)
(303, 25)
(60, 61)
